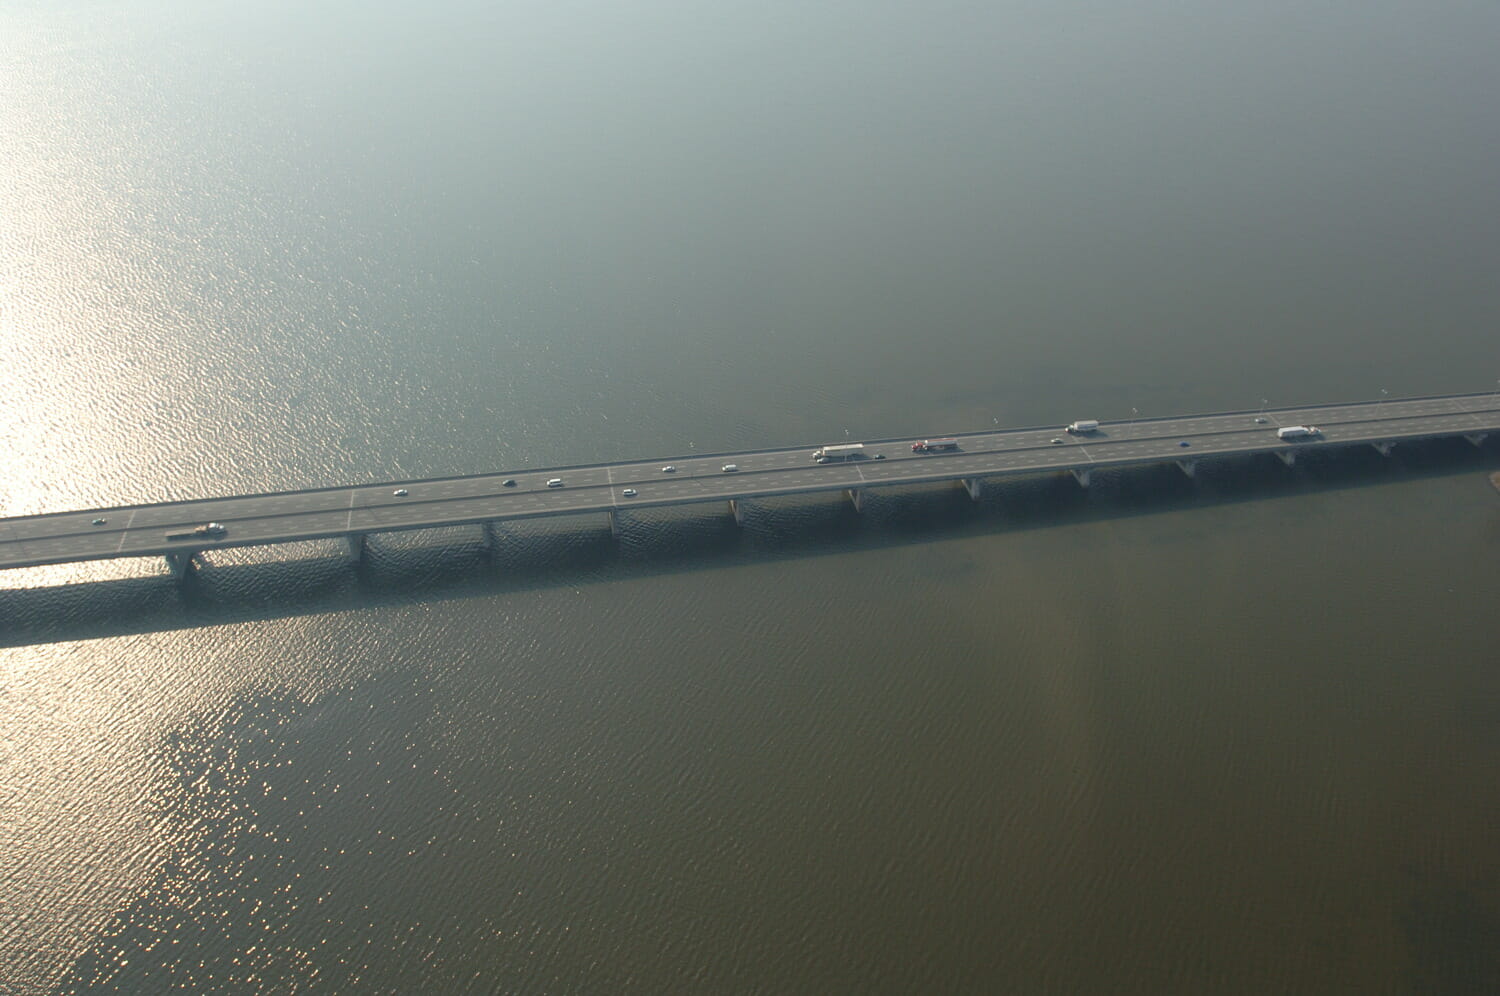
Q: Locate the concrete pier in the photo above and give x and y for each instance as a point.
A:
(182, 563)
(352, 513)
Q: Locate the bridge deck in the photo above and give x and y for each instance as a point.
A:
(282, 517)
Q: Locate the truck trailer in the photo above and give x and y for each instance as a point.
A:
(934, 445)
(845, 451)
(1084, 425)
(209, 530)
(1298, 431)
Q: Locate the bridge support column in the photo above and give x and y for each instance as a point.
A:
(1477, 438)
(856, 498)
(1081, 476)
(491, 539)
(973, 485)
(614, 523)
(354, 547)
(1288, 457)
(182, 564)
(738, 511)
(1188, 467)
(1384, 449)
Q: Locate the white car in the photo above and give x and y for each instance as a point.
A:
(730, 468)
(629, 493)
(669, 469)
(401, 492)
(556, 482)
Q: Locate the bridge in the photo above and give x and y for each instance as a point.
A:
(174, 529)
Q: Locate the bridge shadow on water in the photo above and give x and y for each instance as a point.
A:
(406, 569)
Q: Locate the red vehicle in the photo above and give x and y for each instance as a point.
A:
(934, 445)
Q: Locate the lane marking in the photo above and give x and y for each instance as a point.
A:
(1011, 449)
(1473, 416)
(126, 532)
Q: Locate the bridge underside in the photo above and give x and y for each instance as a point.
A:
(354, 546)
(183, 563)
(26, 550)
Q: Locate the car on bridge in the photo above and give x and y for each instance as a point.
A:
(730, 468)
(556, 482)
(629, 492)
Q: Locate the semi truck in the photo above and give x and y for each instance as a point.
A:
(209, 530)
(934, 445)
(1298, 431)
(1084, 425)
(845, 451)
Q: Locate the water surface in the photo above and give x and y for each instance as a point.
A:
(1233, 734)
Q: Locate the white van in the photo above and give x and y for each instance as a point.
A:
(556, 482)
(730, 468)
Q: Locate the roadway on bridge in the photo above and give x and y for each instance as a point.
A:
(142, 530)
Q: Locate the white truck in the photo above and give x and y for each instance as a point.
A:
(1084, 425)
(845, 451)
(1298, 432)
